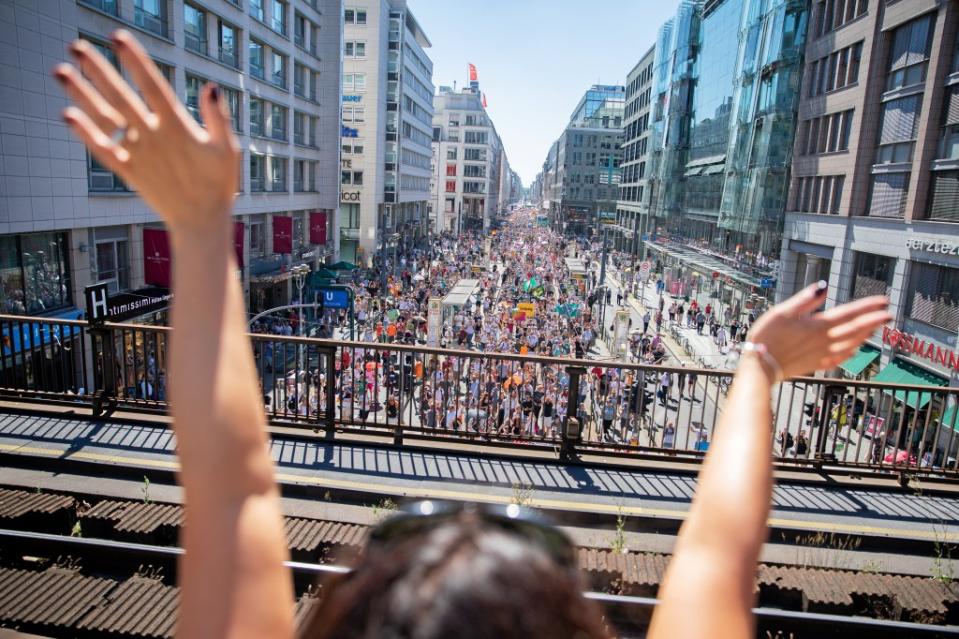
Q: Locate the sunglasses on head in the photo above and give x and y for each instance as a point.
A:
(419, 517)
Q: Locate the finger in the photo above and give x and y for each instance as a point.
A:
(805, 301)
(101, 146)
(111, 86)
(156, 90)
(845, 312)
(866, 322)
(215, 116)
(88, 99)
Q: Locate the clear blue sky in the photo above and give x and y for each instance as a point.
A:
(536, 58)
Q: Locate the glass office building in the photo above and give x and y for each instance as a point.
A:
(727, 87)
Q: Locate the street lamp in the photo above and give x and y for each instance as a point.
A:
(299, 280)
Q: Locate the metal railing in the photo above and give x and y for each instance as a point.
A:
(460, 395)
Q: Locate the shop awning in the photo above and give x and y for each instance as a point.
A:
(858, 362)
(949, 419)
(342, 265)
(899, 372)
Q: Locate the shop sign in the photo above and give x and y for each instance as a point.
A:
(350, 196)
(348, 132)
(103, 307)
(933, 246)
(906, 343)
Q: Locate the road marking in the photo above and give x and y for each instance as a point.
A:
(462, 495)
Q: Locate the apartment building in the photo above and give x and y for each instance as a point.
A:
(66, 222)
(386, 131)
(584, 164)
(874, 194)
(469, 162)
(632, 209)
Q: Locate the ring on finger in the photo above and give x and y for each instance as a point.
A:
(119, 135)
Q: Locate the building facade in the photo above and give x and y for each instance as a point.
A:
(874, 196)
(632, 209)
(386, 132)
(470, 164)
(66, 222)
(727, 76)
(585, 183)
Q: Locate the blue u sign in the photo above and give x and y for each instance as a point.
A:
(335, 298)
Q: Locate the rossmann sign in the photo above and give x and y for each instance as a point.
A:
(906, 343)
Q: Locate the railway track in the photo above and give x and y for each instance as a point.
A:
(116, 560)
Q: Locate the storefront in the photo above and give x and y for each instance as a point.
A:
(34, 273)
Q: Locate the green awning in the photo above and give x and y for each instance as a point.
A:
(949, 419)
(342, 265)
(899, 372)
(856, 364)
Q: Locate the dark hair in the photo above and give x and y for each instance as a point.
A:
(463, 578)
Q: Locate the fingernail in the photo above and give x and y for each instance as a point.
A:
(60, 75)
(821, 287)
(214, 93)
(116, 36)
(75, 48)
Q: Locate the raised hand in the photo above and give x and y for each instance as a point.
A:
(188, 174)
(803, 341)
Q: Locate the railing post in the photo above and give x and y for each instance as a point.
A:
(568, 437)
(104, 399)
(330, 393)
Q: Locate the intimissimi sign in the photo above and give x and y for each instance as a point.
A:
(906, 343)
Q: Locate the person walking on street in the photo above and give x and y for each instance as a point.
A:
(700, 322)
(646, 319)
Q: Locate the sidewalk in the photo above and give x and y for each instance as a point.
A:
(703, 350)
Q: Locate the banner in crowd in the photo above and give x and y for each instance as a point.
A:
(318, 227)
(156, 257)
(282, 234)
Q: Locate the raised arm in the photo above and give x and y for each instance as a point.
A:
(708, 588)
(232, 579)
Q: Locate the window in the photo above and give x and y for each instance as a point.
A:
(34, 273)
(228, 45)
(451, 186)
(107, 6)
(233, 97)
(278, 76)
(475, 170)
(835, 71)
(354, 49)
(278, 21)
(304, 176)
(833, 14)
(193, 86)
(354, 82)
(944, 196)
(354, 114)
(450, 170)
(351, 177)
(888, 195)
(256, 60)
(113, 264)
(278, 175)
(278, 122)
(256, 9)
(872, 275)
(474, 155)
(194, 29)
(257, 173)
(451, 153)
(256, 116)
(300, 80)
(301, 28)
(949, 138)
(150, 15)
(257, 238)
(909, 53)
(900, 119)
(934, 296)
(475, 137)
(826, 134)
(354, 16)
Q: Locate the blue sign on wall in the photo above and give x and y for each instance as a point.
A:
(334, 298)
(767, 282)
(347, 132)
(352, 98)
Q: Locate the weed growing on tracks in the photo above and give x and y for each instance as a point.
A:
(146, 490)
(618, 545)
(522, 495)
(943, 567)
(829, 550)
(77, 530)
(383, 508)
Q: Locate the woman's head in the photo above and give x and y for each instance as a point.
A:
(464, 576)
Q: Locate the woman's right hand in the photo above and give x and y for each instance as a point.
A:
(188, 174)
(802, 340)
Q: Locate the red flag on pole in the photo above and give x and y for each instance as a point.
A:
(156, 257)
(282, 234)
(472, 70)
(484, 100)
